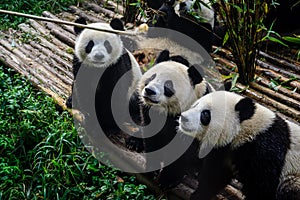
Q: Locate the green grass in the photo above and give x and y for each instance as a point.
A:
(35, 7)
(42, 156)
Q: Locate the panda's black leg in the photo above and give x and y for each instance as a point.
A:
(289, 188)
(214, 175)
(69, 102)
(135, 144)
(172, 174)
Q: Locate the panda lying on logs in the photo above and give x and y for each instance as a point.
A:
(101, 53)
(167, 89)
(265, 149)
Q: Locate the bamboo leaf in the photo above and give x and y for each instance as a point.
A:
(295, 40)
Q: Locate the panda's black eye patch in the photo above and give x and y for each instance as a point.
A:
(108, 46)
(150, 79)
(205, 117)
(169, 88)
(89, 46)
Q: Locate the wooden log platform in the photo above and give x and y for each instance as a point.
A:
(43, 52)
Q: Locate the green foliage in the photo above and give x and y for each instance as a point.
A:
(30, 7)
(244, 22)
(42, 156)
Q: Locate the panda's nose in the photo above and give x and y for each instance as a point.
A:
(99, 56)
(150, 91)
(183, 119)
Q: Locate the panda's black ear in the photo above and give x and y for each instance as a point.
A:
(117, 24)
(163, 56)
(246, 108)
(80, 20)
(194, 75)
(180, 59)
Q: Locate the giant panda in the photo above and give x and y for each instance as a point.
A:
(265, 149)
(172, 19)
(167, 89)
(101, 54)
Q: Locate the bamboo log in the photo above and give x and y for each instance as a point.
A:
(117, 7)
(13, 62)
(46, 33)
(49, 64)
(68, 28)
(59, 33)
(294, 114)
(276, 96)
(64, 66)
(83, 14)
(276, 69)
(280, 89)
(230, 65)
(280, 62)
(98, 9)
(45, 43)
(270, 73)
(28, 66)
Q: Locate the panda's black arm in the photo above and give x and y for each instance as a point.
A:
(215, 174)
(140, 116)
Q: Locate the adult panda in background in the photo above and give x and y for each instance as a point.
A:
(101, 53)
(265, 149)
(168, 88)
(200, 32)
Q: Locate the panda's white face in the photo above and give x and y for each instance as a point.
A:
(167, 87)
(98, 49)
(212, 120)
(222, 118)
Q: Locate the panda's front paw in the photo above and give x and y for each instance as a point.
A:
(135, 144)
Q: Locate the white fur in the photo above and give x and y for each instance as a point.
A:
(99, 38)
(136, 72)
(225, 128)
(184, 95)
(259, 122)
(161, 44)
(205, 12)
(292, 159)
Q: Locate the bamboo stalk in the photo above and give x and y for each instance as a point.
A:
(58, 21)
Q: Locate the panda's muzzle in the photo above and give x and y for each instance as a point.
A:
(150, 95)
(150, 92)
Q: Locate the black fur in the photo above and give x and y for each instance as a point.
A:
(165, 56)
(260, 161)
(200, 32)
(105, 87)
(172, 174)
(105, 84)
(194, 75)
(246, 108)
(215, 173)
(117, 24)
(80, 20)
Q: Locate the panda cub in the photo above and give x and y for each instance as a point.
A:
(102, 60)
(167, 89)
(265, 148)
